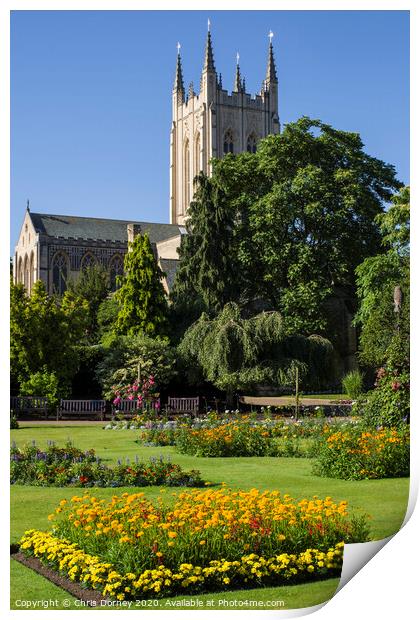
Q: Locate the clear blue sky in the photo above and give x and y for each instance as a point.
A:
(91, 94)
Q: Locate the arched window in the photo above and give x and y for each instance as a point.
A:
(88, 260)
(59, 273)
(186, 175)
(228, 142)
(31, 272)
(116, 268)
(251, 143)
(20, 271)
(26, 273)
(197, 166)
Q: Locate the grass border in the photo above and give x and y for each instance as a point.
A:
(72, 587)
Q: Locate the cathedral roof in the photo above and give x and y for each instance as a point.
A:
(169, 266)
(71, 226)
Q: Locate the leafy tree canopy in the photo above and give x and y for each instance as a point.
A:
(298, 217)
(91, 284)
(46, 333)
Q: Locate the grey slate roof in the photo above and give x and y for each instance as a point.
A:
(169, 266)
(70, 226)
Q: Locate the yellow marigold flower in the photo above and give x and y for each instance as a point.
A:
(172, 534)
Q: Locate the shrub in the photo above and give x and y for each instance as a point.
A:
(42, 383)
(388, 404)
(128, 359)
(355, 453)
(13, 421)
(353, 384)
(71, 467)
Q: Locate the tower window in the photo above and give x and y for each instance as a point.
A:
(59, 273)
(186, 176)
(228, 142)
(251, 143)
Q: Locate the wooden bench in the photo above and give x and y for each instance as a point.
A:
(126, 407)
(181, 406)
(29, 404)
(88, 409)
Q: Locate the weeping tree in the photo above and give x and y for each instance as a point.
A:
(235, 353)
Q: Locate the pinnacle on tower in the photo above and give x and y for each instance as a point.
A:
(271, 75)
(237, 86)
(191, 92)
(179, 81)
(208, 54)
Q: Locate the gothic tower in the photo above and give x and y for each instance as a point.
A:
(215, 122)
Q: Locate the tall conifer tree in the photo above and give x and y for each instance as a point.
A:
(206, 273)
(143, 305)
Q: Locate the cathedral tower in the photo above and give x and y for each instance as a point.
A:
(214, 122)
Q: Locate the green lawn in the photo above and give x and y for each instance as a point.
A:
(384, 500)
(28, 585)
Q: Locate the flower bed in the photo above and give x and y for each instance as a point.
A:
(354, 453)
(244, 436)
(69, 466)
(134, 533)
(249, 571)
(205, 540)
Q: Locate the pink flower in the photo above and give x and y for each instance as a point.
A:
(117, 400)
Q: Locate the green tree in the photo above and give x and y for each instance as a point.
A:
(205, 280)
(235, 353)
(142, 302)
(301, 215)
(91, 284)
(384, 335)
(46, 333)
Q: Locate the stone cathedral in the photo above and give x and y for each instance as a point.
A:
(54, 248)
(214, 122)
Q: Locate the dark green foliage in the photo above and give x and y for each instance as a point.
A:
(385, 333)
(46, 333)
(107, 314)
(206, 278)
(91, 284)
(298, 217)
(141, 297)
(235, 353)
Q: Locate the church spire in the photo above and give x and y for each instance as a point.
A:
(237, 86)
(271, 75)
(179, 81)
(208, 54)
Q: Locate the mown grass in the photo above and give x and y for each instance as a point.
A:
(384, 500)
(29, 586)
